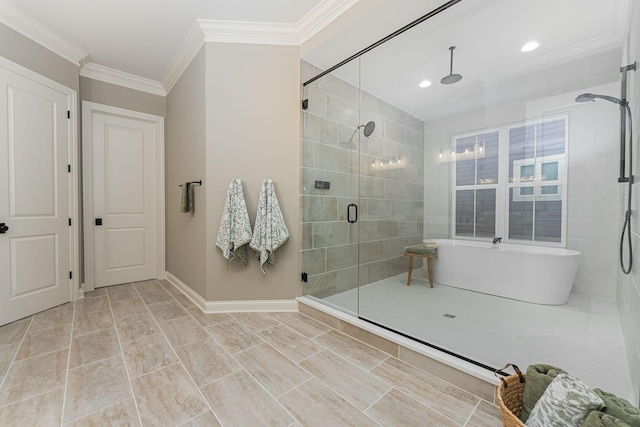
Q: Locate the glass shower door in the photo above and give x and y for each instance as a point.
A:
(330, 174)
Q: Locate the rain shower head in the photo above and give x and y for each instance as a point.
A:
(588, 97)
(451, 78)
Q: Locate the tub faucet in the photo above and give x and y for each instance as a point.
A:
(497, 240)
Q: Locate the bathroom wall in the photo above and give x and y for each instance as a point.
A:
(390, 202)
(592, 205)
(235, 120)
(117, 96)
(252, 103)
(122, 97)
(185, 160)
(358, 9)
(29, 54)
(629, 285)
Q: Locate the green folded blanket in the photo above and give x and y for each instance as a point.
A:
(538, 379)
(421, 249)
(620, 408)
(600, 419)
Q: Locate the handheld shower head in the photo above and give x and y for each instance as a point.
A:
(587, 97)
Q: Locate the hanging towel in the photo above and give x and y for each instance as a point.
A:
(235, 229)
(187, 202)
(269, 231)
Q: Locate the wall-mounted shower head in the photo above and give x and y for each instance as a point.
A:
(368, 128)
(588, 97)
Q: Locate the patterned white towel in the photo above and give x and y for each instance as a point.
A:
(235, 228)
(269, 231)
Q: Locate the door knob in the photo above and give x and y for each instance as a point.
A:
(98, 221)
(3, 228)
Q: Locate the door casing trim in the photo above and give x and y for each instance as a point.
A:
(87, 162)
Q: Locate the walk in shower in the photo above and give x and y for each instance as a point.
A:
(394, 155)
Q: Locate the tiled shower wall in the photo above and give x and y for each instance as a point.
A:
(390, 206)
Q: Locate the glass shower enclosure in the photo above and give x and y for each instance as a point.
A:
(363, 190)
(395, 153)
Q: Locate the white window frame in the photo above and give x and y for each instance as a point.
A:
(536, 181)
(495, 186)
(503, 185)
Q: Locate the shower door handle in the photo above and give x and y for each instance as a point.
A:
(352, 205)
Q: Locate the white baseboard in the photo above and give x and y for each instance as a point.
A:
(200, 302)
(231, 306)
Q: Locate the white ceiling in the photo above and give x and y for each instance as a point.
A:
(580, 41)
(141, 37)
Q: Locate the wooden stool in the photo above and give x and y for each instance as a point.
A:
(421, 251)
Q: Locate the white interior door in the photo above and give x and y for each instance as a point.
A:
(124, 175)
(35, 250)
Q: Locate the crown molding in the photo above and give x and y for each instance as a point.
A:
(30, 28)
(249, 32)
(204, 30)
(320, 16)
(189, 48)
(120, 78)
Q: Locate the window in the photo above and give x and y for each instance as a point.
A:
(545, 170)
(476, 175)
(518, 170)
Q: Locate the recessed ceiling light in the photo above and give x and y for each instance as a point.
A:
(529, 46)
(425, 83)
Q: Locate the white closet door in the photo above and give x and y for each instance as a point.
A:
(125, 205)
(34, 197)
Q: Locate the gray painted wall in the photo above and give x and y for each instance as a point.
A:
(122, 97)
(237, 121)
(29, 54)
(252, 104)
(185, 160)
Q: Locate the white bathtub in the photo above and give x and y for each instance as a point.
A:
(536, 274)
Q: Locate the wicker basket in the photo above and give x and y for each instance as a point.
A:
(510, 393)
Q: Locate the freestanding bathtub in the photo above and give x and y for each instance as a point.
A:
(536, 274)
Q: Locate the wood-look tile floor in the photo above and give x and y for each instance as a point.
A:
(143, 354)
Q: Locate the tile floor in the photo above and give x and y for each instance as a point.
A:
(143, 354)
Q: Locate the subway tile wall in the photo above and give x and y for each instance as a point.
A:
(390, 198)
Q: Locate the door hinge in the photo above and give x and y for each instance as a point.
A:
(69, 168)
(71, 275)
(303, 277)
(305, 104)
(69, 222)
(68, 114)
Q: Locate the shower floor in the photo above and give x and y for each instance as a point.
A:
(583, 336)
